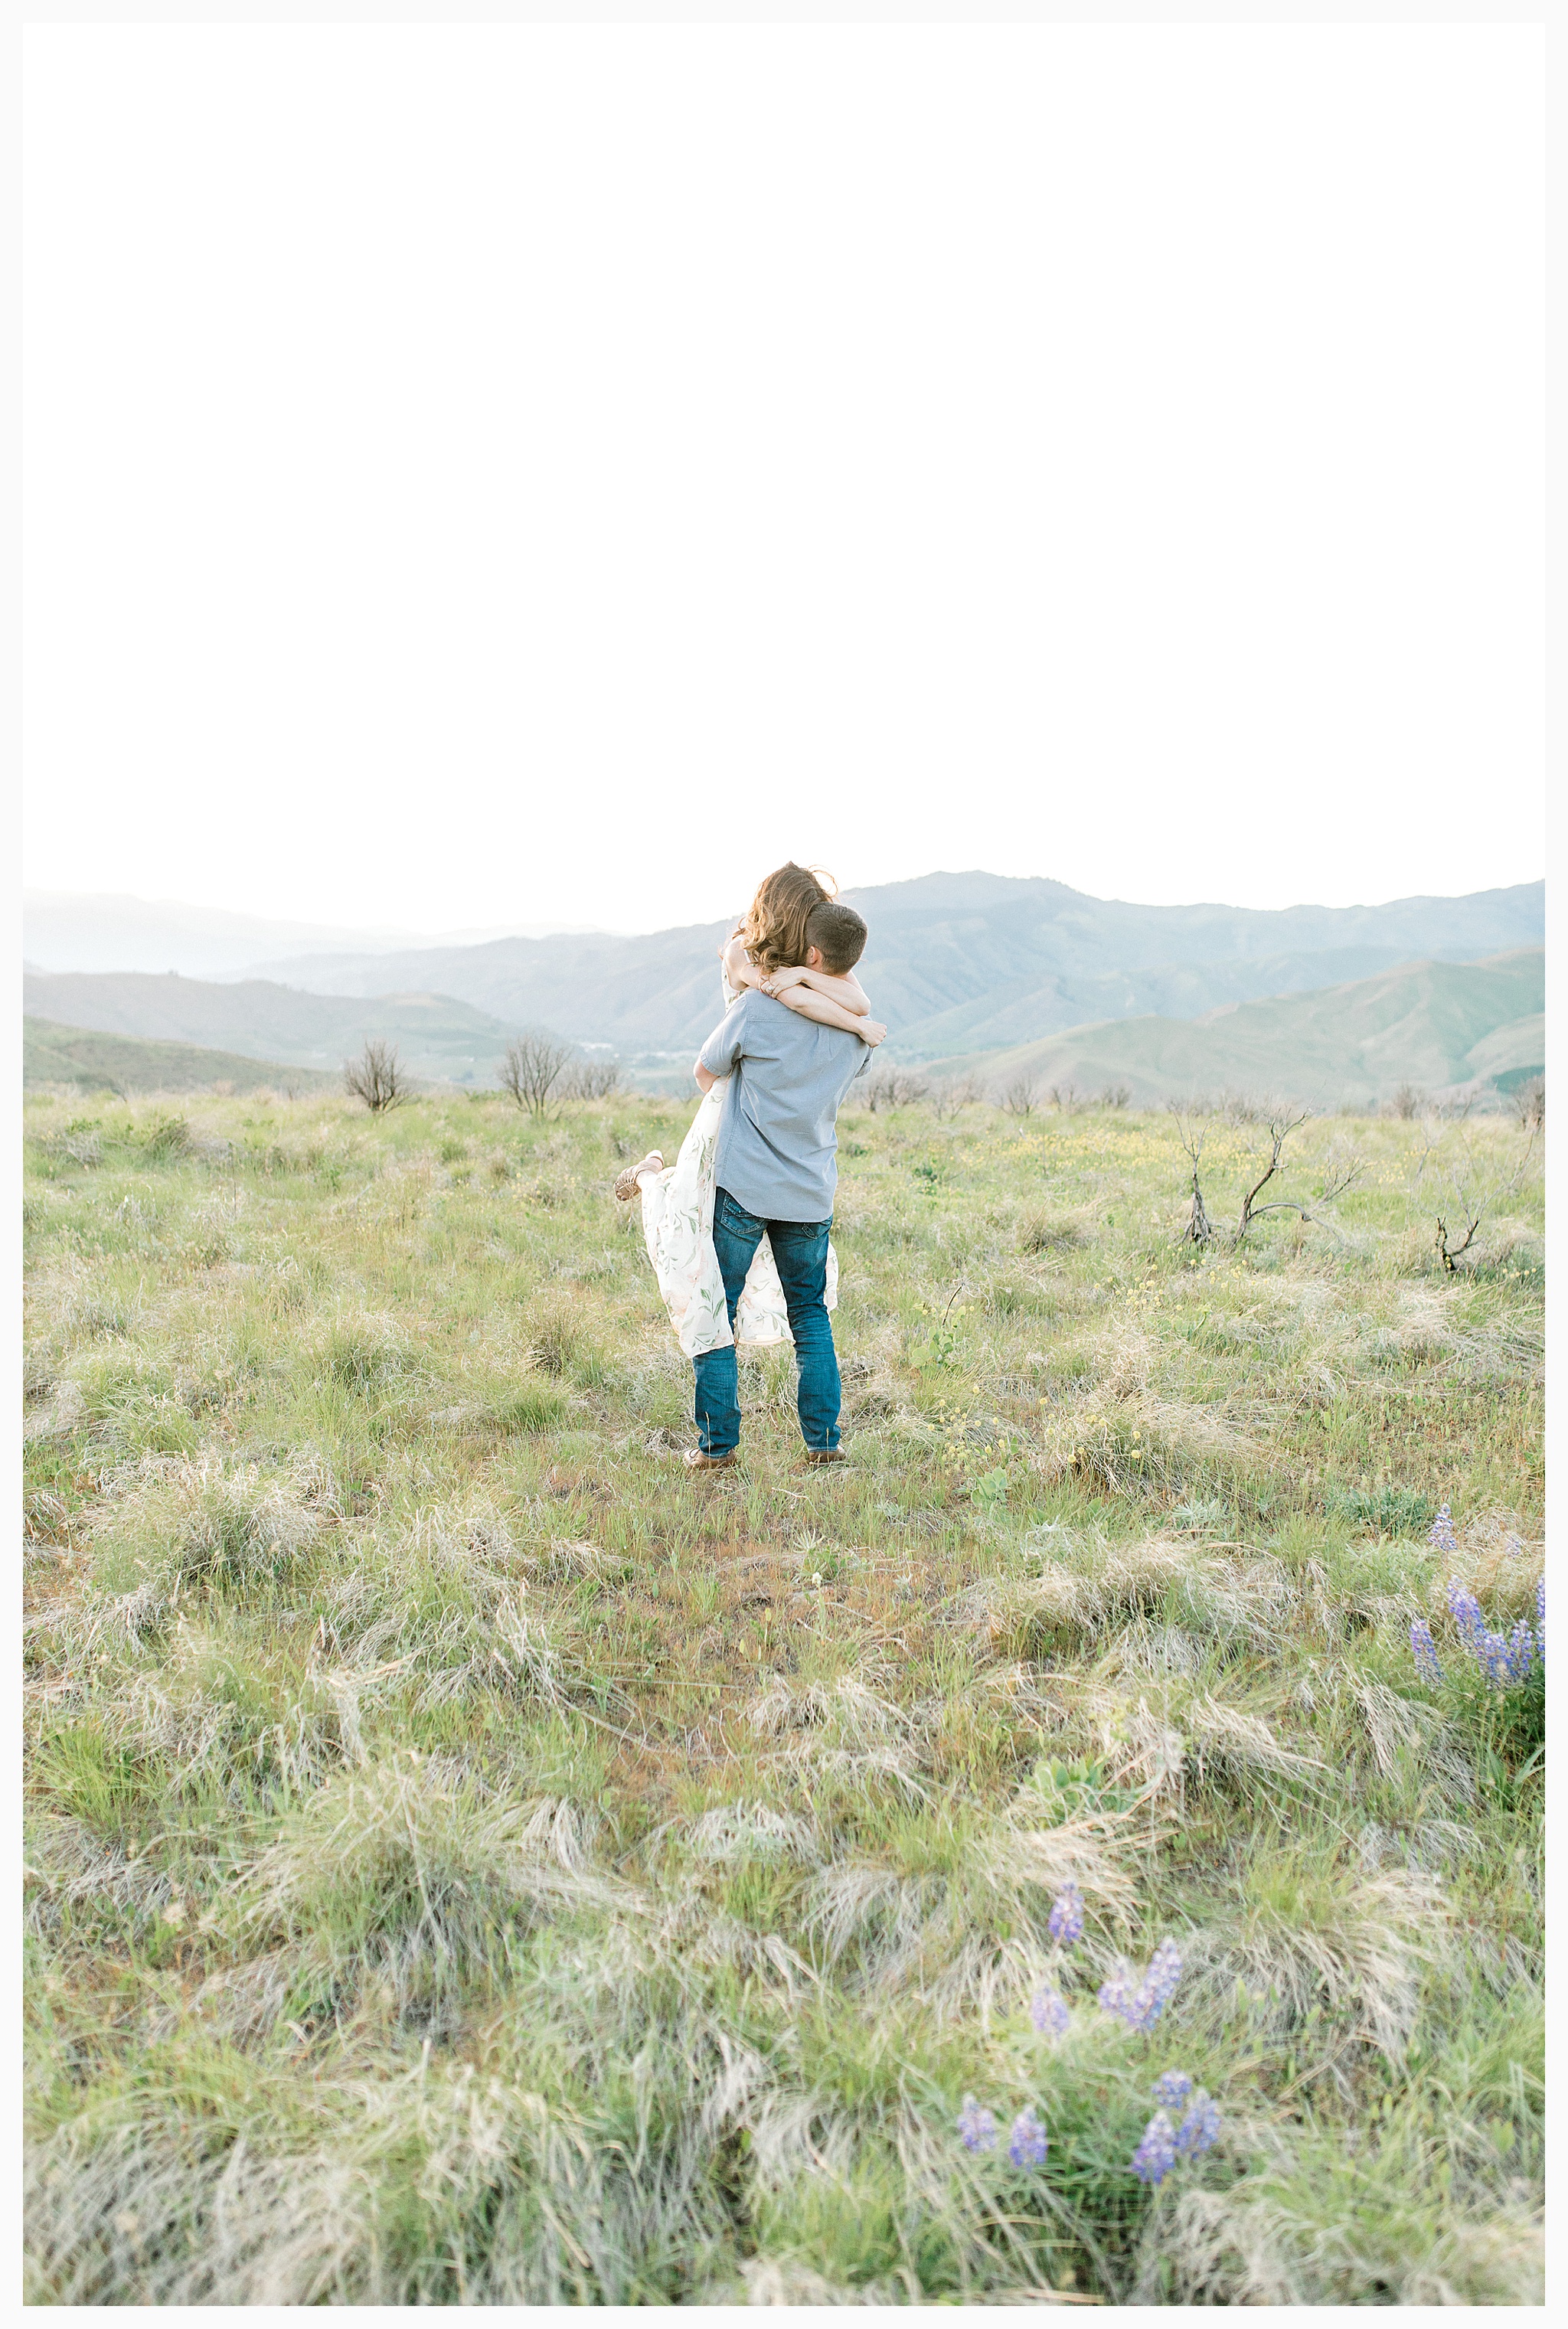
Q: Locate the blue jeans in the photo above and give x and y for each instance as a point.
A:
(801, 1251)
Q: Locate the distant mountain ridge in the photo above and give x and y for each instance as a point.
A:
(436, 1037)
(1437, 1026)
(1444, 1026)
(970, 961)
(977, 967)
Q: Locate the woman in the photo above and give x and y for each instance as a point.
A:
(767, 949)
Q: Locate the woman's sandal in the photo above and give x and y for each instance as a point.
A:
(625, 1184)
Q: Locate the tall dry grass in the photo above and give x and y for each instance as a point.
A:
(471, 1861)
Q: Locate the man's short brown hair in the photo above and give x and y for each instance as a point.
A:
(838, 932)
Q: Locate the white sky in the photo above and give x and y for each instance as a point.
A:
(491, 473)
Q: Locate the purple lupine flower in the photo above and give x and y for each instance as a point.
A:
(1424, 1649)
(1153, 1994)
(1521, 1651)
(1502, 1659)
(1029, 2143)
(1140, 2005)
(1442, 1532)
(1541, 1620)
(1156, 2155)
(1171, 2088)
(1465, 1610)
(977, 2126)
(1483, 1646)
(1050, 2011)
(1065, 1922)
(1200, 2130)
(1116, 1992)
(1495, 1662)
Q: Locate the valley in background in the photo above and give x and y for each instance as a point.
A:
(1006, 984)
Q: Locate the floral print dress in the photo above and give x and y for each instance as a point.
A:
(677, 1225)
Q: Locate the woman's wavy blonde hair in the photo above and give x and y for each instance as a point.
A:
(774, 928)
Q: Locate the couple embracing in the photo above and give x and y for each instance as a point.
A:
(738, 1226)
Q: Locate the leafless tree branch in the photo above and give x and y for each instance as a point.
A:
(376, 1077)
(1530, 1104)
(1199, 1229)
(1281, 1124)
(1478, 1195)
(591, 1080)
(947, 1098)
(893, 1087)
(532, 1066)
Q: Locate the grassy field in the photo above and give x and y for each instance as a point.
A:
(472, 1861)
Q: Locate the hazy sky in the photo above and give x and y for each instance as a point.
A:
(490, 473)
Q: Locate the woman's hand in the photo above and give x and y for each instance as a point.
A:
(870, 1031)
(739, 967)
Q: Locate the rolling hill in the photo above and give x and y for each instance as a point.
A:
(957, 961)
(52, 1055)
(438, 1039)
(1020, 976)
(1432, 1025)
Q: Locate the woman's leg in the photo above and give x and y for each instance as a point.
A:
(737, 1234)
(800, 1251)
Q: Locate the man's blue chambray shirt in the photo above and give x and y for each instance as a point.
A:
(777, 1151)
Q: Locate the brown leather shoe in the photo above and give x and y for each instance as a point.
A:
(697, 1459)
(826, 1456)
(625, 1184)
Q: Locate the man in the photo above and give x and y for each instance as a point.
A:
(776, 1174)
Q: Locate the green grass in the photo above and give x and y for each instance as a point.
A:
(472, 1860)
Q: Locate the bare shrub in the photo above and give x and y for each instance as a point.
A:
(1408, 1102)
(1199, 1229)
(1021, 1097)
(531, 1067)
(1282, 1124)
(1478, 1191)
(1529, 1103)
(1340, 1169)
(893, 1087)
(1064, 1098)
(376, 1077)
(957, 1092)
(1116, 1096)
(587, 1079)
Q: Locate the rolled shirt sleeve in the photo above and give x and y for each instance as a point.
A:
(724, 1045)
